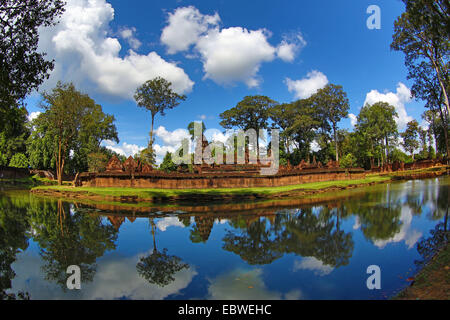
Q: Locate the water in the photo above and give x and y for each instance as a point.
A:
(316, 248)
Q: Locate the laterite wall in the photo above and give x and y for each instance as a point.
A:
(178, 181)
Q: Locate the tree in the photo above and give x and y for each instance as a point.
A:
(167, 165)
(22, 68)
(71, 121)
(14, 130)
(250, 113)
(333, 103)
(19, 160)
(376, 125)
(410, 142)
(422, 34)
(157, 96)
(159, 267)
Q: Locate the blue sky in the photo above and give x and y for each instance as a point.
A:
(216, 52)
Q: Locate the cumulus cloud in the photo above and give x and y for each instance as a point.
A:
(289, 47)
(125, 149)
(165, 223)
(184, 28)
(128, 35)
(235, 54)
(313, 264)
(397, 99)
(172, 138)
(353, 119)
(228, 54)
(86, 55)
(306, 87)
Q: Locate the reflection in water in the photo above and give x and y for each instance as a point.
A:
(67, 237)
(329, 237)
(159, 267)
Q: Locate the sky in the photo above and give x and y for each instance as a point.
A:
(216, 52)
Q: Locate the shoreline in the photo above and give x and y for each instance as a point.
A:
(136, 195)
(432, 282)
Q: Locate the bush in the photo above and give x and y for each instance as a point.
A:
(19, 160)
(167, 165)
(97, 162)
(349, 161)
(3, 160)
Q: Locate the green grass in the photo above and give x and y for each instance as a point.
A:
(144, 193)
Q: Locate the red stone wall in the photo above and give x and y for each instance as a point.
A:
(179, 181)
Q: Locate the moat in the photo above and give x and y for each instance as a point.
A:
(267, 250)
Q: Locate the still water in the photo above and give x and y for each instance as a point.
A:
(314, 248)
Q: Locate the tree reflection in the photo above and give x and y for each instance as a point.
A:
(293, 231)
(255, 244)
(68, 237)
(159, 268)
(14, 235)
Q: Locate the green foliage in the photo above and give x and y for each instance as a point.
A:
(22, 67)
(157, 96)
(349, 161)
(3, 160)
(398, 155)
(376, 130)
(332, 104)
(410, 142)
(167, 165)
(97, 161)
(71, 121)
(19, 160)
(13, 130)
(147, 156)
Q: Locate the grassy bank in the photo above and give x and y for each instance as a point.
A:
(28, 183)
(432, 282)
(152, 194)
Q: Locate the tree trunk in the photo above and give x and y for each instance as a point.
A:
(336, 143)
(387, 150)
(151, 131)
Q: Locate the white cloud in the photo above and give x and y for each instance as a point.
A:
(289, 47)
(398, 100)
(353, 119)
(235, 54)
(185, 26)
(165, 223)
(313, 264)
(306, 87)
(87, 56)
(172, 138)
(228, 54)
(241, 284)
(125, 149)
(33, 115)
(128, 35)
(406, 233)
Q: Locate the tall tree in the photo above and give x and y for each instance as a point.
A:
(22, 68)
(157, 96)
(410, 142)
(250, 113)
(70, 122)
(333, 102)
(376, 124)
(422, 34)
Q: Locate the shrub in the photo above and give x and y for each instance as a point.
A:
(19, 160)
